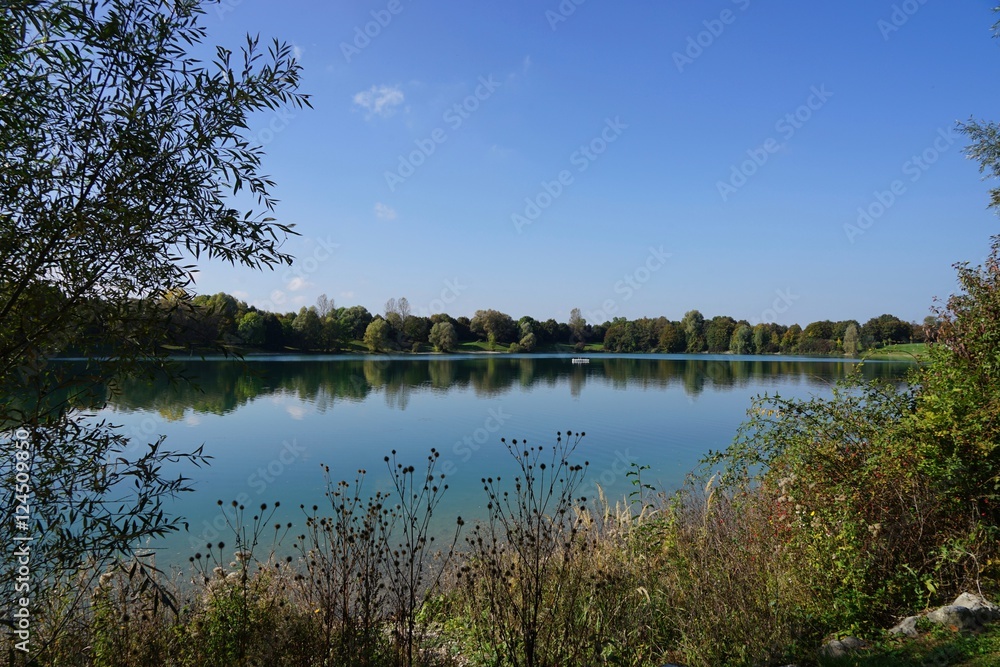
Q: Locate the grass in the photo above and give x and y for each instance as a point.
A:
(480, 346)
(908, 351)
(939, 648)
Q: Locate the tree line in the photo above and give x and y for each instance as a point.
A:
(324, 327)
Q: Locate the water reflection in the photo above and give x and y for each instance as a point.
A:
(224, 385)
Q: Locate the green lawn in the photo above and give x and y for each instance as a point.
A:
(480, 346)
(907, 351)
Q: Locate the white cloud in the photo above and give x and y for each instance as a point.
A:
(347, 295)
(298, 283)
(384, 212)
(379, 100)
(297, 52)
(526, 64)
(241, 295)
(296, 412)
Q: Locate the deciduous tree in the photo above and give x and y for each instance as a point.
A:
(120, 157)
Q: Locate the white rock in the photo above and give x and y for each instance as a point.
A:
(985, 611)
(907, 627)
(954, 616)
(838, 648)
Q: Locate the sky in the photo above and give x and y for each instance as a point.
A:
(779, 161)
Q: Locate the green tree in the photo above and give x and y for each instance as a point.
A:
(274, 337)
(742, 340)
(886, 329)
(308, 328)
(333, 337)
(851, 340)
(495, 326)
(415, 329)
(719, 332)
(790, 339)
(377, 335)
(576, 326)
(761, 339)
(443, 336)
(121, 152)
(672, 338)
(822, 330)
(354, 321)
(251, 329)
(694, 331)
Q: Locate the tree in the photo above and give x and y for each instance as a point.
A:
(324, 306)
(886, 329)
(719, 332)
(790, 339)
(761, 339)
(377, 335)
(309, 329)
(851, 340)
(497, 327)
(742, 340)
(822, 330)
(694, 331)
(415, 328)
(274, 336)
(120, 152)
(354, 321)
(333, 337)
(251, 329)
(620, 336)
(443, 337)
(576, 326)
(647, 334)
(672, 338)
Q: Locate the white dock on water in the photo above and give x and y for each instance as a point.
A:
(581, 360)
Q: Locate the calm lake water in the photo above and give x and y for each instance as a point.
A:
(269, 423)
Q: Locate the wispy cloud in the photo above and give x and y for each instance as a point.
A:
(384, 212)
(379, 100)
(298, 283)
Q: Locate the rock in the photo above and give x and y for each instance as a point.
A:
(955, 617)
(838, 648)
(984, 611)
(907, 627)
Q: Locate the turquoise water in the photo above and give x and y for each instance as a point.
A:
(269, 423)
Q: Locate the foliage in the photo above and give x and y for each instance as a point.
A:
(344, 559)
(672, 338)
(524, 556)
(119, 152)
(742, 340)
(694, 331)
(718, 333)
(410, 549)
(886, 329)
(851, 340)
(443, 336)
(377, 335)
(495, 326)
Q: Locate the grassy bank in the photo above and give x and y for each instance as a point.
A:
(722, 573)
(905, 351)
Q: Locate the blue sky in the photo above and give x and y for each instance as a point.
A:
(628, 158)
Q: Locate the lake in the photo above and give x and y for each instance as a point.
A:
(270, 422)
